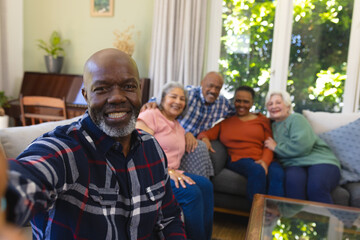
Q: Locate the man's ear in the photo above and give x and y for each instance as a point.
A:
(84, 93)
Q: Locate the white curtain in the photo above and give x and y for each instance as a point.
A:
(178, 42)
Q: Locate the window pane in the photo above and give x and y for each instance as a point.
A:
(246, 45)
(318, 55)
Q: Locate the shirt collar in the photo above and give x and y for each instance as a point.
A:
(202, 98)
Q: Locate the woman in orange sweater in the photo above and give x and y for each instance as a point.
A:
(244, 135)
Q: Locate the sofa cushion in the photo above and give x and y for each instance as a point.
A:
(219, 157)
(230, 182)
(344, 141)
(325, 121)
(14, 140)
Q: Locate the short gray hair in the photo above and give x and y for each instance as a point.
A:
(166, 89)
(283, 94)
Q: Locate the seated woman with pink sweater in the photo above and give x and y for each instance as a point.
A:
(194, 193)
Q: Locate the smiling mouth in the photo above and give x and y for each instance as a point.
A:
(176, 107)
(116, 115)
(274, 112)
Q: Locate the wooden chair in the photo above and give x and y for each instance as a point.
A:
(41, 109)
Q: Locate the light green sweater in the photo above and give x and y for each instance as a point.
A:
(298, 145)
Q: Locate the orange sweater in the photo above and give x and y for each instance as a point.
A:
(243, 139)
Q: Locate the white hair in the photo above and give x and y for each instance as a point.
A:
(283, 94)
(166, 89)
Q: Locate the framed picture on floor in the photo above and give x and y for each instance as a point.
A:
(102, 8)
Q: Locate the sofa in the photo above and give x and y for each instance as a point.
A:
(230, 188)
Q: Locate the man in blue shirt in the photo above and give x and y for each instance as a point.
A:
(97, 178)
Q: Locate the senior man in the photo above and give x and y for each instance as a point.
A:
(205, 107)
(97, 178)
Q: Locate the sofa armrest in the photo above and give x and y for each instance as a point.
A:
(220, 156)
(14, 140)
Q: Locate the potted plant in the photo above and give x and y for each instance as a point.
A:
(4, 119)
(55, 52)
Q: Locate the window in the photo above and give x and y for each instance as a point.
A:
(318, 54)
(246, 45)
(313, 47)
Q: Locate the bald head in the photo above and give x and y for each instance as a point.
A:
(112, 91)
(211, 86)
(104, 60)
(214, 75)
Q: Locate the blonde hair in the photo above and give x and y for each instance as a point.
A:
(283, 94)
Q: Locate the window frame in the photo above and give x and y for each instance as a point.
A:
(281, 49)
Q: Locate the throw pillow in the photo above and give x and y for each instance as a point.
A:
(344, 141)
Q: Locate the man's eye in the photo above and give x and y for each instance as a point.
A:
(130, 87)
(99, 89)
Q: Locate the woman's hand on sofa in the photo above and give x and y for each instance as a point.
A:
(208, 144)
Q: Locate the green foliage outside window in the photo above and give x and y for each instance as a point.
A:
(318, 54)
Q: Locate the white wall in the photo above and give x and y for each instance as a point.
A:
(12, 46)
(29, 20)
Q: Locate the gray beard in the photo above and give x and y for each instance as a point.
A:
(114, 132)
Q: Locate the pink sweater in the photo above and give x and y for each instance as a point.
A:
(169, 134)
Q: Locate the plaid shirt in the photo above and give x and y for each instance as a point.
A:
(75, 183)
(200, 117)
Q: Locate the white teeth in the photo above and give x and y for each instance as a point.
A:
(116, 115)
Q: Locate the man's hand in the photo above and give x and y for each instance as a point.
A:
(208, 144)
(190, 142)
(148, 105)
(270, 143)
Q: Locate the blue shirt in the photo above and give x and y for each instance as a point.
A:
(75, 183)
(201, 117)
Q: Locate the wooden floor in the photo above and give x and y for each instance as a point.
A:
(229, 227)
(226, 227)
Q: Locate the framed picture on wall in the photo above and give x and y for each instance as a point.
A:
(102, 8)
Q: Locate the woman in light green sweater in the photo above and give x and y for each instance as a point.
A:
(311, 169)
